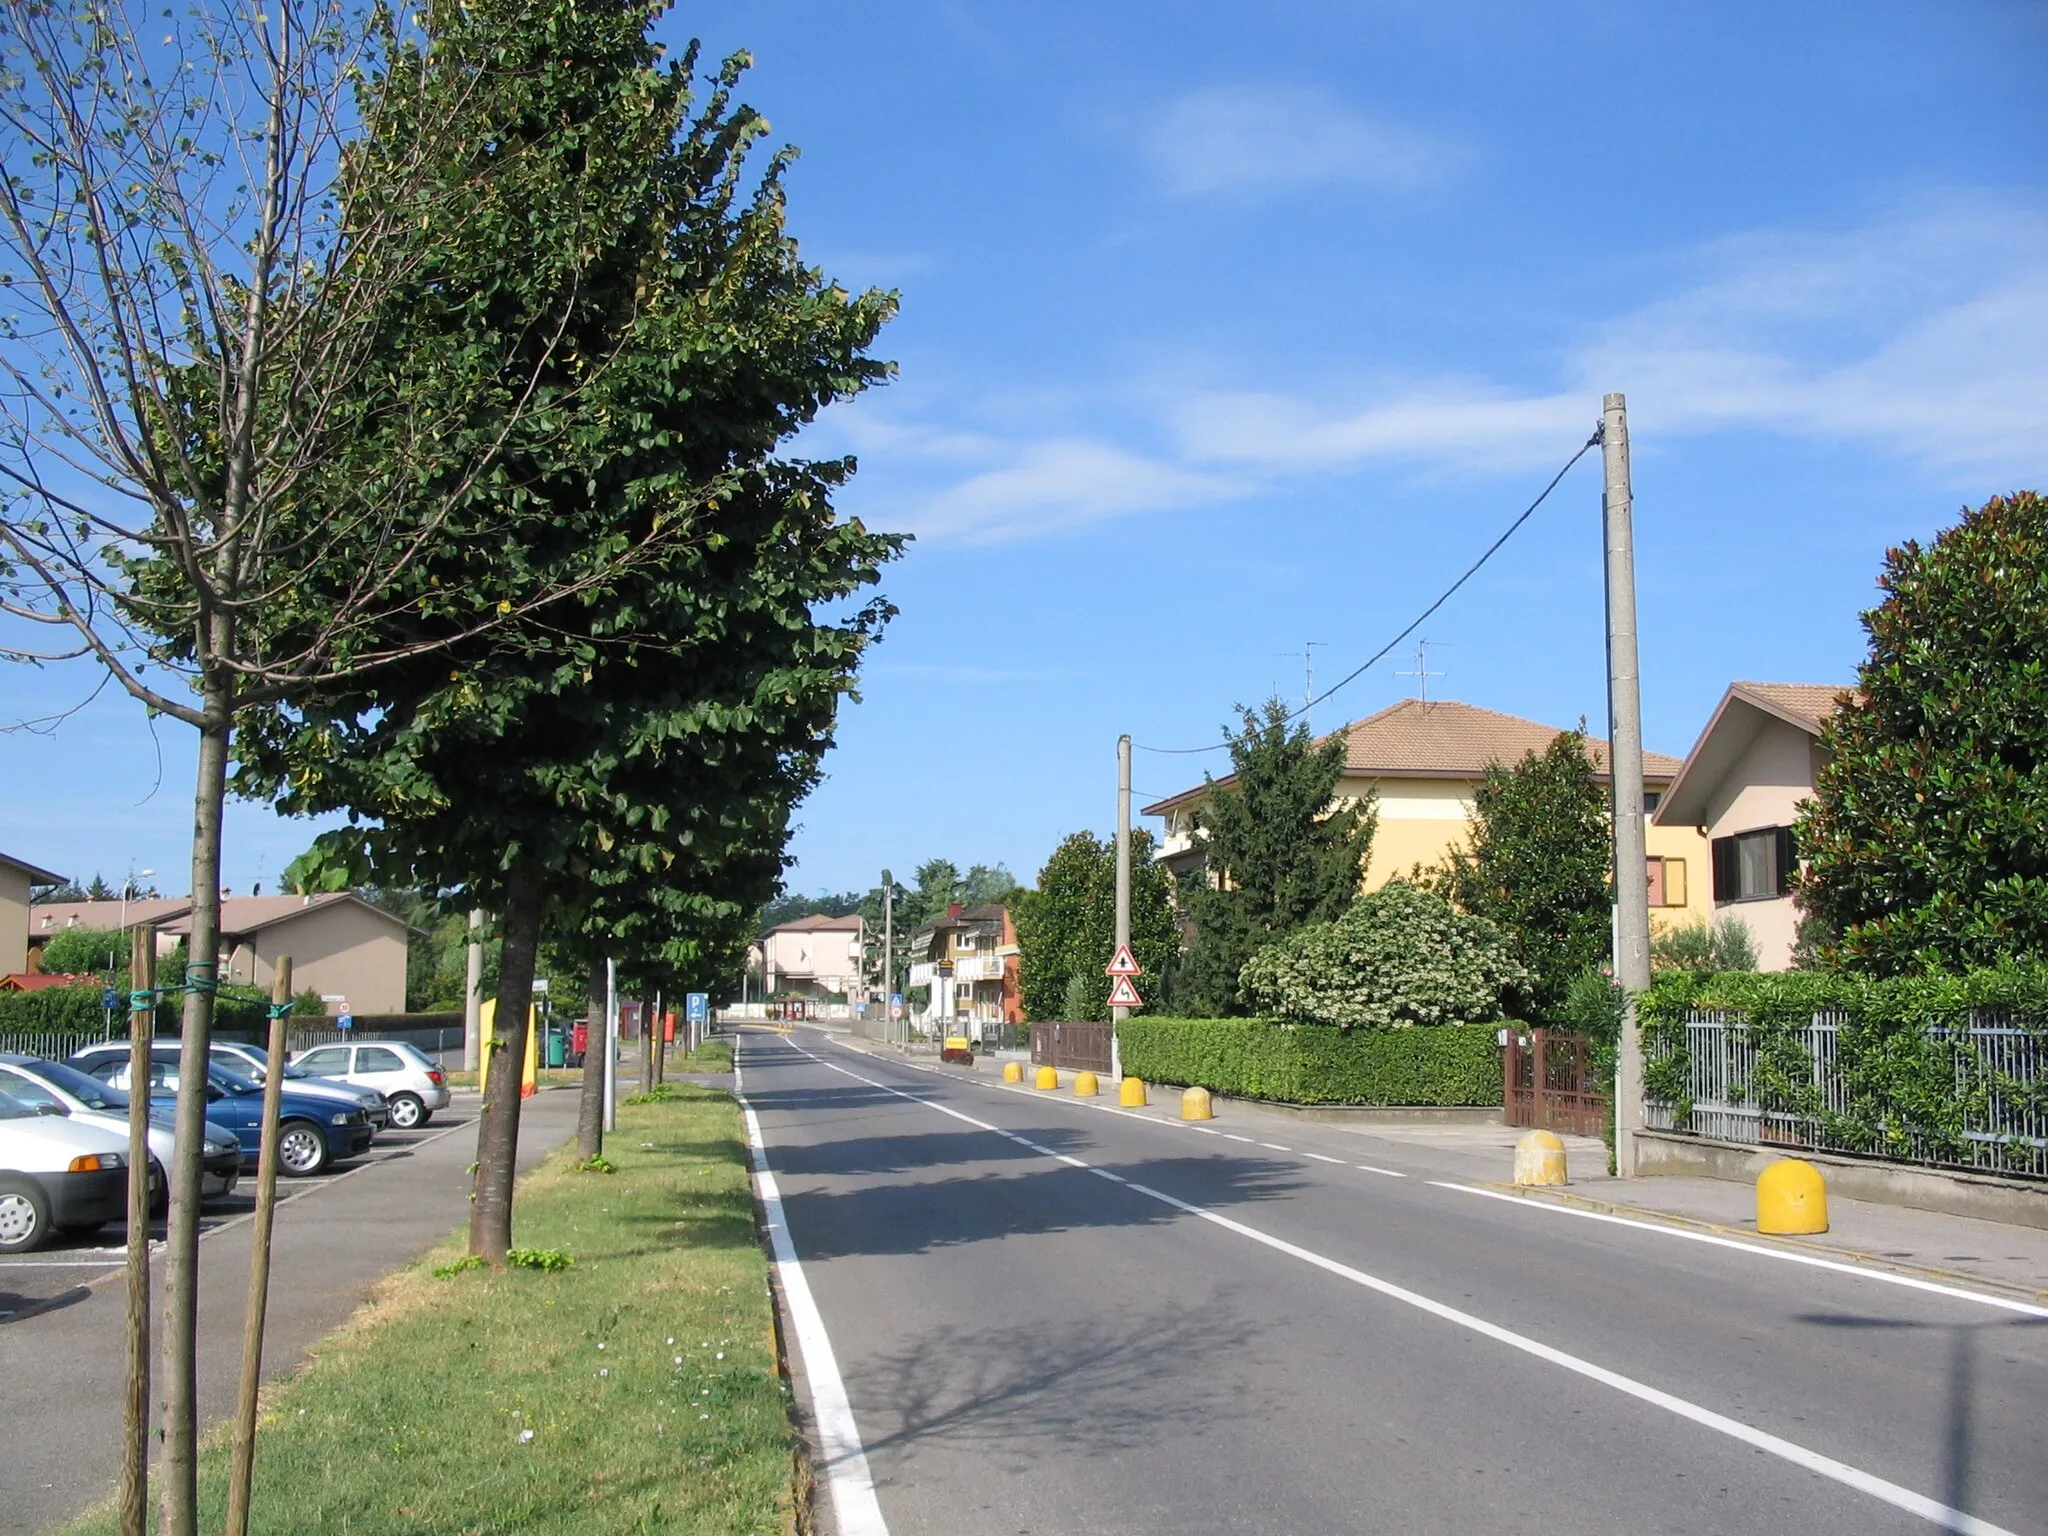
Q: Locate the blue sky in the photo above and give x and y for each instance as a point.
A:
(1227, 328)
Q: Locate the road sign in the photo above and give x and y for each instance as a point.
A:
(110, 998)
(895, 1013)
(1123, 995)
(346, 1021)
(1123, 963)
(697, 1007)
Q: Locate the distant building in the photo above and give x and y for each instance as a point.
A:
(815, 959)
(968, 960)
(1426, 760)
(17, 881)
(1741, 788)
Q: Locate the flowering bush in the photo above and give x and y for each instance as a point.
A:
(1399, 957)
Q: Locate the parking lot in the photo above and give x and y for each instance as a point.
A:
(62, 1308)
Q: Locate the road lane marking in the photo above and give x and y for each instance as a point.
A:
(858, 1512)
(1812, 1261)
(1319, 1157)
(1385, 1173)
(1274, 1146)
(1233, 1136)
(1895, 1494)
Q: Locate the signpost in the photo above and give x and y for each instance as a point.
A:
(895, 1007)
(1123, 995)
(1123, 965)
(696, 1015)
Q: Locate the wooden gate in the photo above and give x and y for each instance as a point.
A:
(1548, 1081)
(1072, 1047)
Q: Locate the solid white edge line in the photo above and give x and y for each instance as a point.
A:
(1811, 1260)
(856, 1510)
(1898, 1496)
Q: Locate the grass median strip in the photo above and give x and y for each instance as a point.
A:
(634, 1390)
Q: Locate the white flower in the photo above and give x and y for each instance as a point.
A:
(525, 1436)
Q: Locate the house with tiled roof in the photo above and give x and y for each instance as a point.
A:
(17, 881)
(967, 960)
(1740, 788)
(1425, 759)
(816, 959)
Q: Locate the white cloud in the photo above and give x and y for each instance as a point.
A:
(1222, 140)
(1060, 485)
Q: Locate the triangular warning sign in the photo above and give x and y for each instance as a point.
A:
(1123, 963)
(1123, 995)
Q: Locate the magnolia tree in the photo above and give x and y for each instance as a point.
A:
(1399, 957)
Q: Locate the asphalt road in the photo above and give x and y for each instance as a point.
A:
(1062, 1319)
(62, 1356)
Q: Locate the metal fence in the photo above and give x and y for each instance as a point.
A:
(1998, 1071)
(55, 1044)
(1075, 1047)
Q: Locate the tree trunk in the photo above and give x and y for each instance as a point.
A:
(497, 1135)
(590, 1107)
(180, 1363)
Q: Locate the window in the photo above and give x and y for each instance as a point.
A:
(328, 1059)
(23, 1091)
(374, 1058)
(1754, 866)
(1667, 882)
(1652, 798)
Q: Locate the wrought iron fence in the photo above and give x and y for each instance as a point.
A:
(56, 1044)
(1982, 1104)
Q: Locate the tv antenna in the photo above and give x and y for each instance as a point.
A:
(1421, 672)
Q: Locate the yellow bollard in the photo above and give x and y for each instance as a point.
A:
(1085, 1086)
(1791, 1198)
(1048, 1079)
(1194, 1105)
(1131, 1093)
(1013, 1071)
(1539, 1158)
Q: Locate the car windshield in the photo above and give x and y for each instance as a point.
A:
(89, 1091)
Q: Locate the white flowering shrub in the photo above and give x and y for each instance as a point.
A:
(1398, 958)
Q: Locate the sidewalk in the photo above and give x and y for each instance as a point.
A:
(1957, 1248)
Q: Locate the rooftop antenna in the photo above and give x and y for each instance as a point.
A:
(1421, 674)
(1307, 657)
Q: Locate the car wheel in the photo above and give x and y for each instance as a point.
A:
(301, 1149)
(407, 1112)
(24, 1216)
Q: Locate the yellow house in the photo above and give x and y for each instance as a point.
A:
(1426, 759)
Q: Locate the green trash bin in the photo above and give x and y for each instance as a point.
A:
(557, 1047)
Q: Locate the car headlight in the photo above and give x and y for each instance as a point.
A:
(341, 1119)
(98, 1162)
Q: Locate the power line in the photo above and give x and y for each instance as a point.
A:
(1380, 654)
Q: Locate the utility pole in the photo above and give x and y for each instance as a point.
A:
(1625, 760)
(1123, 887)
(611, 1046)
(888, 958)
(473, 993)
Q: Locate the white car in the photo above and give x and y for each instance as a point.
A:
(412, 1085)
(56, 1176)
(87, 1100)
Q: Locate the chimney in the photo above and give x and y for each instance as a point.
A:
(954, 909)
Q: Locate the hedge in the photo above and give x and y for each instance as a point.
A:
(78, 1011)
(1315, 1063)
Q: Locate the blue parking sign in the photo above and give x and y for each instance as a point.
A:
(110, 998)
(697, 1007)
(346, 1021)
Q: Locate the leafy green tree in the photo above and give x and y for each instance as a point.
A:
(1281, 852)
(1540, 848)
(623, 769)
(1066, 928)
(1926, 839)
(1399, 957)
(78, 951)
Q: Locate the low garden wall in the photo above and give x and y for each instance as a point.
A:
(1449, 1065)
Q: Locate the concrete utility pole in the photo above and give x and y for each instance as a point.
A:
(888, 958)
(1625, 759)
(611, 1047)
(1123, 886)
(473, 994)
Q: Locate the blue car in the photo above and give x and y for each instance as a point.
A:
(312, 1133)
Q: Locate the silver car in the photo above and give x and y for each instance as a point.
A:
(50, 1087)
(410, 1082)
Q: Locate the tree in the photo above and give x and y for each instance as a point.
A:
(1066, 927)
(1541, 845)
(1281, 851)
(69, 891)
(1926, 838)
(1399, 957)
(1725, 944)
(78, 951)
(626, 770)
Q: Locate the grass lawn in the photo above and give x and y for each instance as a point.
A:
(635, 1391)
(711, 1056)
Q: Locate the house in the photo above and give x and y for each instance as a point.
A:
(1741, 788)
(1426, 759)
(968, 960)
(815, 958)
(342, 947)
(17, 881)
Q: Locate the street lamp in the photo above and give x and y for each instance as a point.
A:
(134, 874)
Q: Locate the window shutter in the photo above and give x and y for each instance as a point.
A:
(1674, 882)
(1788, 861)
(1727, 872)
(1655, 867)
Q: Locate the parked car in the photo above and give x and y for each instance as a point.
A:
(411, 1084)
(312, 1133)
(84, 1098)
(250, 1061)
(56, 1175)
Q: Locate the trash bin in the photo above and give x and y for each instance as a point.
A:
(557, 1048)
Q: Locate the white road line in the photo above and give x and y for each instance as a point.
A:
(1812, 1261)
(1388, 1173)
(856, 1510)
(1319, 1157)
(1898, 1496)
(1233, 1136)
(1275, 1146)
(62, 1264)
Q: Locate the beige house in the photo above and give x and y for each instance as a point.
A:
(1426, 759)
(16, 881)
(341, 946)
(817, 958)
(1741, 789)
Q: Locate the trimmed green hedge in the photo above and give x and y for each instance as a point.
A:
(77, 1010)
(1447, 1064)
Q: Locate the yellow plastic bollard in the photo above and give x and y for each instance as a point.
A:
(1539, 1158)
(1131, 1093)
(1791, 1199)
(1013, 1072)
(1048, 1079)
(1085, 1086)
(1195, 1105)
